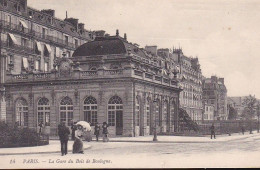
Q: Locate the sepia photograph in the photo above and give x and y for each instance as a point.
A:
(129, 84)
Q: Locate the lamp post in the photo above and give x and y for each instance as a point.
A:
(155, 128)
(258, 114)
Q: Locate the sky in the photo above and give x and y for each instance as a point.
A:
(223, 34)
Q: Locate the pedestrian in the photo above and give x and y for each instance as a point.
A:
(73, 129)
(212, 129)
(41, 126)
(63, 132)
(243, 129)
(105, 132)
(97, 129)
(78, 144)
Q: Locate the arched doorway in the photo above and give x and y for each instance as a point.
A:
(137, 116)
(22, 117)
(164, 116)
(66, 110)
(43, 112)
(90, 110)
(115, 114)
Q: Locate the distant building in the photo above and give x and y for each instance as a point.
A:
(191, 81)
(209, 112)
(215, 93)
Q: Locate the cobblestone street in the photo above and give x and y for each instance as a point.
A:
(241, 152)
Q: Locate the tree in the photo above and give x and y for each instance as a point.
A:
(250, 104)
(232, 113)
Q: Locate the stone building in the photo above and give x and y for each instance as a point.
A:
(191, 81)
(215, 93)
(106, 80)
(31, 40)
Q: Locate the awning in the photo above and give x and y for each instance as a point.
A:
(48, 47)
(13, 38)
(25, 62)
(24, 24)
(39, 46)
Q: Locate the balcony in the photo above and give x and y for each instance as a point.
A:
(29, 32)
(15, 27)
(16, 47)
(88, 75)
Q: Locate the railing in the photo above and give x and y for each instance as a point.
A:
(18, 47)
(114, 71)
(138, 73)
(42, 76)
(89, 73)
(19, 28)
(15, 27)
(149, 76)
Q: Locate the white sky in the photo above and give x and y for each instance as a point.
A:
(224, 34)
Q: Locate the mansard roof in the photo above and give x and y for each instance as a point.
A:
(108, 46)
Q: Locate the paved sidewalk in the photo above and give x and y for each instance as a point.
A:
(53, 147)
(186, 139)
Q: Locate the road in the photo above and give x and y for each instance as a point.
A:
(239, 153)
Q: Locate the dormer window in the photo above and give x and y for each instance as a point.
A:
(30, 14)
(62, 25)
(50, 20)
(5, 3)
(93, 69)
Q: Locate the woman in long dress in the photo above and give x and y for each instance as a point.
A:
(78, 144)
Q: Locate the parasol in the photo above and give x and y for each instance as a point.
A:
(85, 125)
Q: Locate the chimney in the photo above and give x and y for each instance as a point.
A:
(117, 32)
(73, 21)
(50, 12)
(221, 80)
(81, 26)
(151, 49)
(214, 79)
(125, 36)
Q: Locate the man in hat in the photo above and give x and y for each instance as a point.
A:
(63, 132)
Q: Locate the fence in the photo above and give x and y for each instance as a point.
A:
(227, 126)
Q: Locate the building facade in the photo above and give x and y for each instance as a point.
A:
(107, 80)
(191, 81)
(32, 41)
(215, 93)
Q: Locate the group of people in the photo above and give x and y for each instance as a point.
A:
(77, 135)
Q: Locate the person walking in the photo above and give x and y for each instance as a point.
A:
(78, 144)
(41, 126)
(63, 132)
(97, 129)
(73, 129)
(212, 129)
(243, 129)
(105, 132)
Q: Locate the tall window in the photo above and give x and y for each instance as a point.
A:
(22, 112)
(137, 112)
(37, 65)
(46, 67)
(43, 110)
(148, 112)
(66, 110)
(164, 115)
(66, 40)
(76, 43)
(115, 105)
(90, 110)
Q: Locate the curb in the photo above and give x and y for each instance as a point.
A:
(32, 153)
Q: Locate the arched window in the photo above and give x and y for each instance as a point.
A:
(22, 112)
(90, 110)
(66, 110)
(115, 105)
(148, 111)
(137, 112)
(43, 110)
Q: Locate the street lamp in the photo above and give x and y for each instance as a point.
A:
(155, 128)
